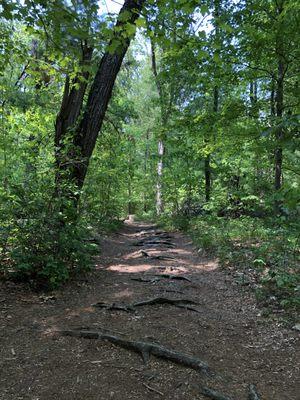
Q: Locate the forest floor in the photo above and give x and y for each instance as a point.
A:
(224, 329)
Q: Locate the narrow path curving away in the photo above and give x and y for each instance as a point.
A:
(152, 287)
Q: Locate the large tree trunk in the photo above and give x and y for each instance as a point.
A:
(67, 117)
(86, 132)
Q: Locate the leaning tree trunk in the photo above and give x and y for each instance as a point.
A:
(67, 117)
(86, 131)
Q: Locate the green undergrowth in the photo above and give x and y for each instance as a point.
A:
(44, 248)
(104, 226)
(45, 254)
(262, 253)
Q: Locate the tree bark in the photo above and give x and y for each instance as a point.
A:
(146, 157)
(159, 201)
(279, 114)
(88, 128)
(207, 177)
(67, 117)
(279, 105)
(272, 99)
(131, 157)
(207, 167)
(161, 147)
(253, 99)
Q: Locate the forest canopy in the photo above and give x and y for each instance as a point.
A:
(182, 112)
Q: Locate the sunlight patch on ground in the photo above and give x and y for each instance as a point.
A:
(81, 310)
(130, 268)
(131, 256)
(208, 266)
(182, 252)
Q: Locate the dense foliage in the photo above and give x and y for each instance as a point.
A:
(201, 133)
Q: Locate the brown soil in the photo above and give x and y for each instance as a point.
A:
(228, 333)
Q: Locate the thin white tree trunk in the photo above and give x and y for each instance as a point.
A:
(159, 202)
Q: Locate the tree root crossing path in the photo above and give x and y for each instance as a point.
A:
(153, 320)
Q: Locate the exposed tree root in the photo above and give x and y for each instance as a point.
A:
(154, 234)
(160, 257)
(163, 300)
(211, 394)
(160, 238)
(181, 303)
(177, 277)
(163, 257)
(147, 280)
(99, 327)
(165, 236)
(153, 389)
(151, 246)
(157, 242)
(158, 278)
(114, 306)
(146, 349)
(253, 395)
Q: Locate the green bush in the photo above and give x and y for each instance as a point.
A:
(38, 243)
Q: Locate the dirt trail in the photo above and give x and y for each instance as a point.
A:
(227, 332)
